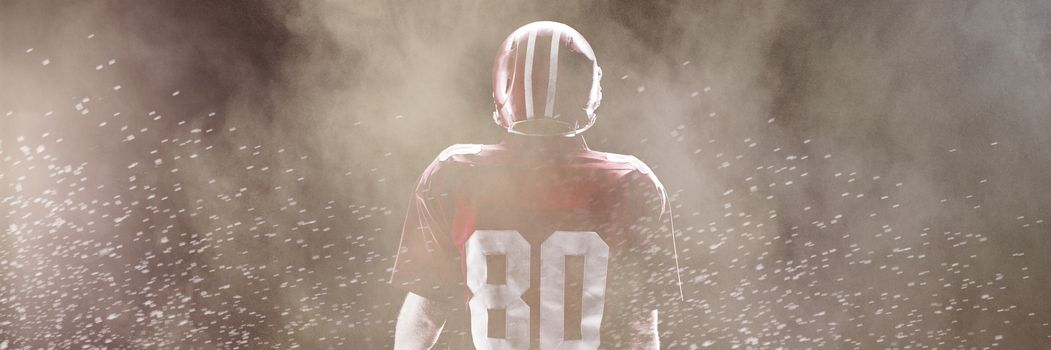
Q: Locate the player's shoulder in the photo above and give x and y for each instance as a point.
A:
(459, 152)
(461, 156)
(448, 162)
(639, 174)
(632, 167)
(472, 154)
(623, 161)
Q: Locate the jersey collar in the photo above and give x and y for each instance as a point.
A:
(544, 143)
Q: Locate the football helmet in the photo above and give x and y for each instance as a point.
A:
(546, 81)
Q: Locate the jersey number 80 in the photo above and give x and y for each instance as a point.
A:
(508, 295)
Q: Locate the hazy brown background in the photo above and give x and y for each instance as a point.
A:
(845, 174)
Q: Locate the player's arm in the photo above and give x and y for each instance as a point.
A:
(660, 289)
(419, 323)
(425, 265)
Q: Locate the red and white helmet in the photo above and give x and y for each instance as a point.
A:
(546, 81)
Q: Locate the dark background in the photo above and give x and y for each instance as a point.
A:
(234, 174)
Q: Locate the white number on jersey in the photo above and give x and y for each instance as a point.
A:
(508, 296)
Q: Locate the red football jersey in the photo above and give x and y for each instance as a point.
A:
(538, 243)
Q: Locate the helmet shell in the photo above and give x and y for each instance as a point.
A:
(546, 81)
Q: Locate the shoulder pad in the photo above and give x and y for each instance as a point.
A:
(459, 150)
(631, 160)
(645, 170)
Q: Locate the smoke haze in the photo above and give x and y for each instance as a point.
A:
(235, 174)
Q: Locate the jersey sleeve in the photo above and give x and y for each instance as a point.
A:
(647, 273)
(427, 262)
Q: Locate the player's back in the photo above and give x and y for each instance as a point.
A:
(553, 242)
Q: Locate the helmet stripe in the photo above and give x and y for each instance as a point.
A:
(529, 74)
(553, 75)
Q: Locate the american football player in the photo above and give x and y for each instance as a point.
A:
(537, 242)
